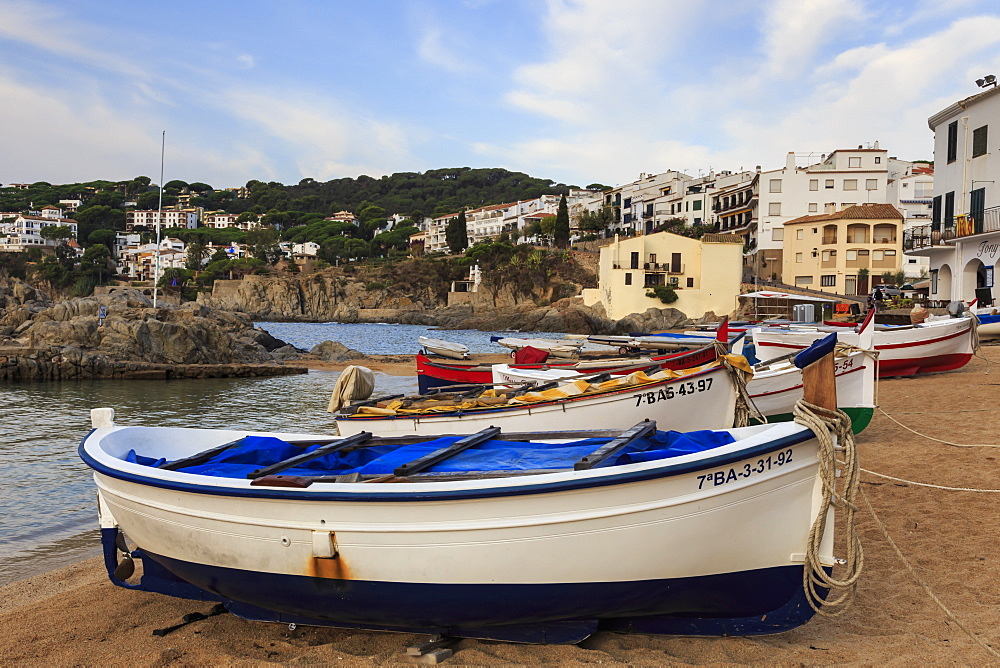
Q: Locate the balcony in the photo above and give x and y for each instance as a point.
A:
(927, 236)
(987, 221)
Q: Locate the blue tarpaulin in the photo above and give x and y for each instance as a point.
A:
(254, 452)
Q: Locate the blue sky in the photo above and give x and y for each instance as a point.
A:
(578, 91)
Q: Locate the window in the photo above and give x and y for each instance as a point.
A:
(775, 186)
(949, 208)
(828, 281)
(798, 233)
(889, 253)
(854, 162)
(697, 221)
(628, 278)
(774, 209)
(829, 255)
(813, 207)
(778, 234)
(878, 160)
(871, 184)
(852, 255)
(850, 184)
(803, 280)
(696, 205)
(877, 255)
(979, 141)
(813, 184)
(798, 258)
(828, 184)
(952, 141)
(690, 281)
(652, 257)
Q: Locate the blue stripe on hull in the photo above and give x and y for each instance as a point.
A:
(746, 603)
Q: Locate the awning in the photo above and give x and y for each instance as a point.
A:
(763, 294)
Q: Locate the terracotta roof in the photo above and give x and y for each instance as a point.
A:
(722, 239)
(859, 211)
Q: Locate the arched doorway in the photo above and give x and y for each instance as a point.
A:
(944, 283)
(973, 276)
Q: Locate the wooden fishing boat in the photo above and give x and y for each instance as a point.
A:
(477, 536)
(905, 350)
(444, 348)
(774, 389)
(556, 347)
(432, 373)
(699, 398)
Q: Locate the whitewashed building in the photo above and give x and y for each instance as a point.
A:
(962, 240)
(22, 232)
(148, 219)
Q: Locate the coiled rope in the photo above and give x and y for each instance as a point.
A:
(828, 425)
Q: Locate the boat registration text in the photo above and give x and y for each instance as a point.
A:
(669, 392)
(750, 469)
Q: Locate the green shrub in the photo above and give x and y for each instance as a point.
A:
(664, 293)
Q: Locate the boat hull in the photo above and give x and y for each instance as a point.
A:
(710, 405)
(715, 537)
(930, 348)
(434, 373)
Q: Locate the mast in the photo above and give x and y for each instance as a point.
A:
(159, 223)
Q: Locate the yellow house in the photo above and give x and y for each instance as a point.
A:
(705, 273)
(827, 252)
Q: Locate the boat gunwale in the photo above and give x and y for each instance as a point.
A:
(506, 408)
(544, 483)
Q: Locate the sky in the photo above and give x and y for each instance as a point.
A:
(577, 91)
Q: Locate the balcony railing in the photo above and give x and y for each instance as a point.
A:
(927, 236)
(987, 221)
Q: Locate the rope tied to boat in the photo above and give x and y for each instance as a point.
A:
(976, 344)
(837, 451)
(745, 406)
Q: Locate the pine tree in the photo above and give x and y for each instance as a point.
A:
(561, 234)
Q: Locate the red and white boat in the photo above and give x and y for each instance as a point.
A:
(905, 350)
(433, 373)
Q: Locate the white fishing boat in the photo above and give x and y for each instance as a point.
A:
(478, 536)
(988, 319)
(455, 351)
(905, 350)
(683, 400)
(555, 347)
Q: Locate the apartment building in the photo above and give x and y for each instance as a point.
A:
(962, 240)
(148, 219)
(21, 232)
(846, 251)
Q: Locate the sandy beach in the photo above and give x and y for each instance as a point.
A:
(75, 616)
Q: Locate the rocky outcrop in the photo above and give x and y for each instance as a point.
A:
(334, 351)
(44, 339)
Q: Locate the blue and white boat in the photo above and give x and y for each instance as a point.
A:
(542, 537)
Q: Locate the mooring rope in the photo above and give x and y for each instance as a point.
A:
(938, 440)
(927, 484)
(920, 581)
(745, 406)
(828, 425)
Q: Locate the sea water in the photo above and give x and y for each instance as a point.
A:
(48, 508)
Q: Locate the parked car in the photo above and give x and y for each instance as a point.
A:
(889, 290)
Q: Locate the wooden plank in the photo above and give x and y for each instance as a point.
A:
(306, 456)
(628, 436)
(444, 453)
(199, 458)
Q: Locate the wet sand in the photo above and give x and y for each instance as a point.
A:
(74, 616)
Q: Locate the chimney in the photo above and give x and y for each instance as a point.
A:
(790, 161)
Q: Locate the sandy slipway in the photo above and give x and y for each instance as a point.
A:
(76, 616)
(41, 339)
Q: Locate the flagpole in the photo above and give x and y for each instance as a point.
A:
(159, 223)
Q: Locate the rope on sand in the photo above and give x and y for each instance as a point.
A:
(927, 484)
(919, 580)
(828, 425)
(938, 440)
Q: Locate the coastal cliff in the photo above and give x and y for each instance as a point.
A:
(332, 297)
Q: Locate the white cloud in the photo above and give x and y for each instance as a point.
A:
(433, 49)
(795, 30)
(246, 61)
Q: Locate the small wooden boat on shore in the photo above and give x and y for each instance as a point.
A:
(444, 348)
(904, 350)
(479, 535)
(556, 347)
(432, 373)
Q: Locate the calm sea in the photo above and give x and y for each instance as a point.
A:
(48, 515)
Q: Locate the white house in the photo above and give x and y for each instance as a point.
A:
(962, 240)
(24, 231)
